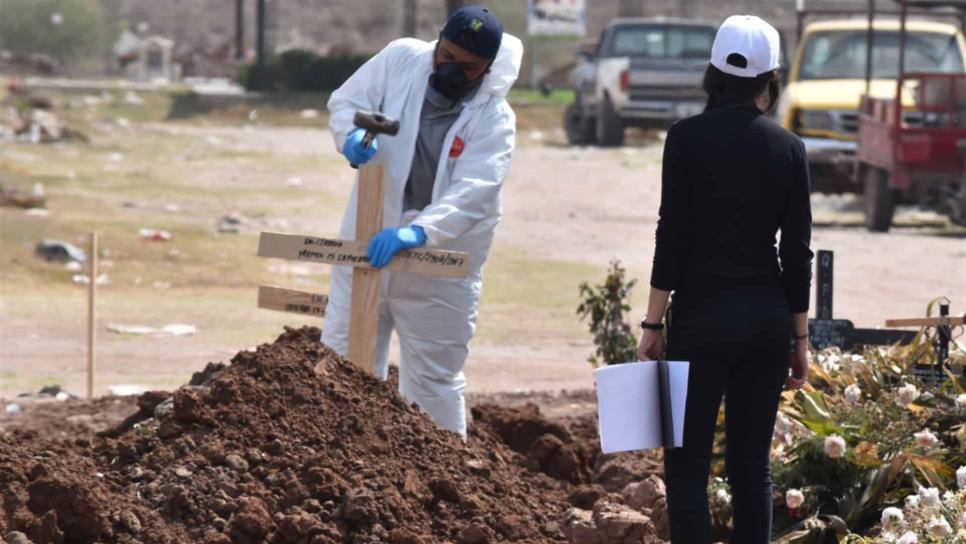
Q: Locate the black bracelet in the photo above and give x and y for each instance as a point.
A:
(652, 326)
(802, 337)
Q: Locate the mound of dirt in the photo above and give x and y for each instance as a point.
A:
(288, 444)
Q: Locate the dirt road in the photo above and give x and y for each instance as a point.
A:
(568, 211)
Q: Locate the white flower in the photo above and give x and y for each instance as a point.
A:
(927, 396)
(926, 439)
(949, 500)
(856, 358)
(907, 394)
(938, 526)
(835, 446)
(908, 538)
(962, 521)
(929, 497)
(961, 403)
(961, 477)
(853, 394)
(794, 498)
(722, 496)
(912, 502)
(892, 518)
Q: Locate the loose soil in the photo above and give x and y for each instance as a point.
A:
(290, 443)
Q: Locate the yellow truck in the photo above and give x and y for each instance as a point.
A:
(820, 101)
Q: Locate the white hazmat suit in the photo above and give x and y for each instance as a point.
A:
(434, 317)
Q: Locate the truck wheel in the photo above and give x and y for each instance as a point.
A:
(880, 200)
(610, 129)
(579, 129)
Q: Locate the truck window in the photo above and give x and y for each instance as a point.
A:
(841, 55)
(661, 41)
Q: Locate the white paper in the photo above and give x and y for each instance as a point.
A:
(629, 405)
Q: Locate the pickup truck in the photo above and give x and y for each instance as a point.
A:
(645, 72)
(821, 99)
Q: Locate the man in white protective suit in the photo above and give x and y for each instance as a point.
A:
(444, 175)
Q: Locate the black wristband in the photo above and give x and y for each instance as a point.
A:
(652, 326)
(802, 337)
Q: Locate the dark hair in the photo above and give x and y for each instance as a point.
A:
(728, 90)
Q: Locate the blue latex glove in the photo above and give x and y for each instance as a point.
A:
(384, 246)
(355, 151)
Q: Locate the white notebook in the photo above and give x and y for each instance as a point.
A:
(629, 407)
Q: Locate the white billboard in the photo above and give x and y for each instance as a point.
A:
(556, 17)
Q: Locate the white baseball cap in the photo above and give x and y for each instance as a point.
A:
(751, 38)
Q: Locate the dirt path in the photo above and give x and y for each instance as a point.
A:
(569, 210)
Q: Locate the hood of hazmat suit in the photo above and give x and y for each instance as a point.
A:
(435, 318)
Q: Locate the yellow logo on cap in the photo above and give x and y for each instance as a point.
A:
(476, 25)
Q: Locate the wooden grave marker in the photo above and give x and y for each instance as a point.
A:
(365, 279)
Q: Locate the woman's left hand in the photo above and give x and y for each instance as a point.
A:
(651, 347)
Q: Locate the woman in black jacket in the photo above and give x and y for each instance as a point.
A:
(732, 179)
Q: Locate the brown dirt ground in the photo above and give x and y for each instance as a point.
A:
(290, 443)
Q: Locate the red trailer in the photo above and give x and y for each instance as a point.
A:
(917, 156)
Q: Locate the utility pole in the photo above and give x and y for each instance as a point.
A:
(453, 5)
(630, 8)
(410, 18)
(260, 32)
(239, 29)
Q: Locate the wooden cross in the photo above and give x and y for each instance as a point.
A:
(943, 325)
(364, 312)
(825, 331)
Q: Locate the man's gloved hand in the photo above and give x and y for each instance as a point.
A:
(355, 151)
(384, 246)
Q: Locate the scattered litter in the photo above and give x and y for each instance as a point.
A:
(115, 157)
(132, 99)
(127, 390)
(156, 235)
(214, 140)
(37, 212)
(14, 198)
(122, 122)
(39, 190)
(253, 115)
(130, 204)
(229, 224)
(91, 100)
(294, 181)
(84, 279)
(13, 409)
(55, 392)
(172, 208)
(161, 285)
(309, 113)
(537, 135)
(179, 329)
(74, 266)
(131, 329)
(57, 250)
(173, 329)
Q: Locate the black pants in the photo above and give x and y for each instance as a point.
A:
(738, 343)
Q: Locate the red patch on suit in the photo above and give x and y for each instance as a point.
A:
(457, 148)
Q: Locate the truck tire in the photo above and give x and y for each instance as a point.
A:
(880, 200)
(610, 128)
(580, 130)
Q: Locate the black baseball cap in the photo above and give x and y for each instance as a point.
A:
(475, 29)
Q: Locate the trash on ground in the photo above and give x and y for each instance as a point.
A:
(14, 198)
(125, 390)
(13, 409)
(84, 279)
(309, 113)
(156, 235)
(60, 251)
(294, 181)
(179, 329)
(37, 212)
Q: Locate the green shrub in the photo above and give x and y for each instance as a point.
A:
(301, 70)
(27, 26)
(606, 306)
